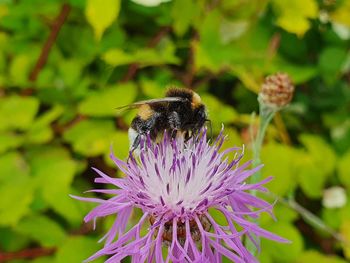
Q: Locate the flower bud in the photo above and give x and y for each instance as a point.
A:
(277, 91)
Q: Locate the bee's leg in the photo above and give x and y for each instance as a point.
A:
(136, 143)
(135, 147)
(210, 129)
(188, 135)
(174, 123)
(134, 138)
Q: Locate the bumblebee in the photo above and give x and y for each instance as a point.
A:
(181, 111)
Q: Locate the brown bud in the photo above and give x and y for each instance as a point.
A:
(277, 91)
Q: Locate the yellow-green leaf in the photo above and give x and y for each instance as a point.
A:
(341, 14)
(101, 14)
(278, 162)
(117, 57)
(315, 256)
(19, 69)
(77, 249)
(21, 109)
(294, 15)
(283, 252)
(311, 168)
(42, 229)
(343, 169)
(120, 147)
(345, 232)
(105, 101)
(91, 137)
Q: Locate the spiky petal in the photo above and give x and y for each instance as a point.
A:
(175, 183)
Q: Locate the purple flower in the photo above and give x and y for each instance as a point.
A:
(175, 182)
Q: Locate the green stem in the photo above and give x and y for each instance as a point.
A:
(266, 115)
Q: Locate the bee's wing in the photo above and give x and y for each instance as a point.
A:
(143, 102)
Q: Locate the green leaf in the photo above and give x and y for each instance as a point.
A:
(340, 131)
(91, 137)
(40, 131)
(298, 73)
(331, 61)
(341, 14)
(231, 30)
(2, 62)
(345, 232)
(21, 109)
(12, 241)
(3, 9)
(77, 249)
(120, 146)
(312, 169)
(279, 162)
(19, 69)
(105, 101)
(52, 166)
(309, 176)
(315, 256)
(9, 140)
(117, 57)
(183, 13)
(12, 165)
(77, 3)
(334, 217)
(218, 216)
(293, 15)
(343, 169)
(233, 140)
(42, 229)
(210, 53)
(42, 260)
(218, 113)
(248, 51)
(153, 88)
(283, 252)
(38, 204)
(71, 210)
(164, 53)
(78, 41)
(282, 212)
(100, 16)
(54, 170)
(320, 151)
(21, 195)
(70, 70)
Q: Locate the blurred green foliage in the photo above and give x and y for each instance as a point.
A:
(58, 114)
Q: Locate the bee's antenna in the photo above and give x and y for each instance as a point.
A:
(210, 128)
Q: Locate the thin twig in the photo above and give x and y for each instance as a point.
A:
(273, 45)
(133, 68)
(29, 253)
(55, 29)
(309, 217)
(189, 76)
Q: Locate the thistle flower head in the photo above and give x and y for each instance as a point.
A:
(175, 183)
(277, 91)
